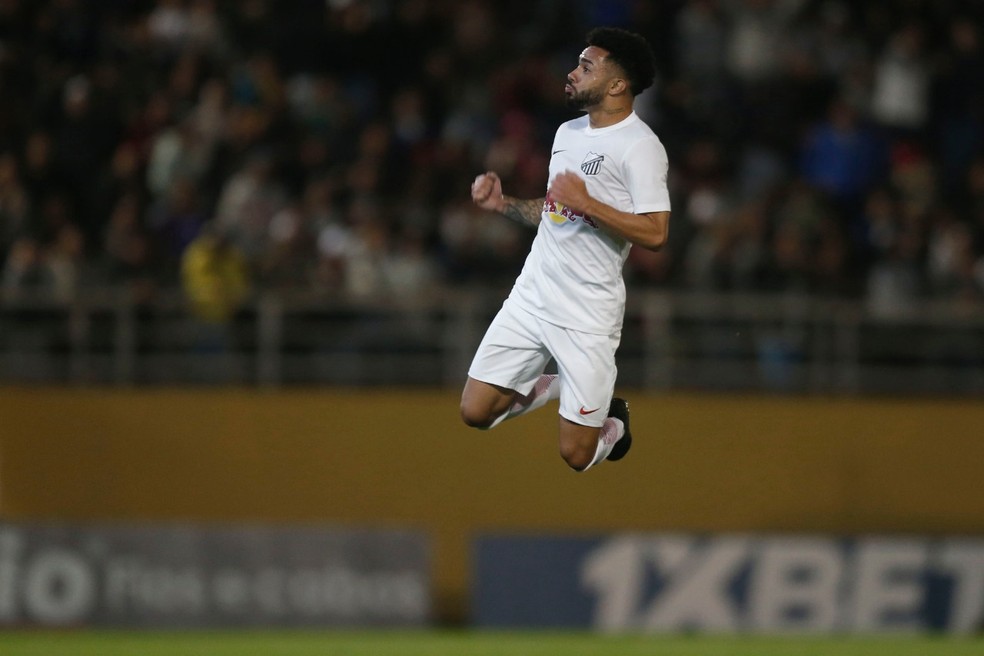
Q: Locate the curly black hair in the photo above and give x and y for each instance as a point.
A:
(630, 51)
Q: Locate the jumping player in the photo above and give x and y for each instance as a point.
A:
(607, 191)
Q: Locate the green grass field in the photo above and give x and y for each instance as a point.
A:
(462, 643)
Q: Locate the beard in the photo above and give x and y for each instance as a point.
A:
(581, 100)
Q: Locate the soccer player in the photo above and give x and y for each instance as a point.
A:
(606, 191)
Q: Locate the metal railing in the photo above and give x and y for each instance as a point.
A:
(787, 343)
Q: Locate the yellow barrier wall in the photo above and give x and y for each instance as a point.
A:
(402, 458)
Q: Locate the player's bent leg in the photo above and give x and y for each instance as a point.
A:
(483, 403)
(578, 444)
(582, 447)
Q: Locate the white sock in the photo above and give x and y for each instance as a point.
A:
(611, 432)
(545, 389)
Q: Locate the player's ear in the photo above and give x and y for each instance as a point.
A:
(618, 86)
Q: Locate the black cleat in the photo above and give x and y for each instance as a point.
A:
(620, 410)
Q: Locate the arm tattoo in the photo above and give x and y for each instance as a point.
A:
(524, 211)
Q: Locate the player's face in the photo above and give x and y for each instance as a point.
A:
(587, 84)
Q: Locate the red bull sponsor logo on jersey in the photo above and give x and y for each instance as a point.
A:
(561, 214)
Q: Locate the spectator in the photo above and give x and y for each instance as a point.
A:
(842, 156)
(896, 282)
(959, 101)
(39, 174)
(287, 262)
(176, 219)
(900, 97)
(65, 262)
(954, 269)
(82, 138)
(24, 273)
(128, 250)
(215, 281)
(178, 150)
(174, 112)
(247, 202)
(14, 202)
(755, 39)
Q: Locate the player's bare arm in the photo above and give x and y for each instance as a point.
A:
(649, 230)
(487, 193)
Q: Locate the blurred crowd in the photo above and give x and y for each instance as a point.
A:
(829, 147)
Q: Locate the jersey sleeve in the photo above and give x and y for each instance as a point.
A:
(645, 169)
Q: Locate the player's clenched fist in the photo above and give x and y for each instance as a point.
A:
(568, 188)
(486, 191)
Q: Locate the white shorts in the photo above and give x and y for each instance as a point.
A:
(518, 346)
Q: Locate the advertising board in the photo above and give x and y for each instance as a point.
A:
(162, 575)
(730, 583)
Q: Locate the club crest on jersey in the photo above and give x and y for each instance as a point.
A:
(592, 163)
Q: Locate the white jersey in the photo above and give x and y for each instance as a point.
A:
(573, 273)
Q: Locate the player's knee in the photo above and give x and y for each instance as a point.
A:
(475, 418)
(577, 457)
